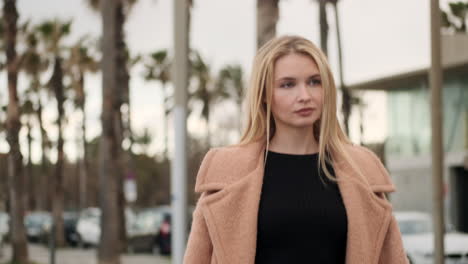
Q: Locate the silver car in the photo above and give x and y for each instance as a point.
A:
(4, 224)
(417, 235)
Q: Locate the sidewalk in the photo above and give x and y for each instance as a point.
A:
(40, 255)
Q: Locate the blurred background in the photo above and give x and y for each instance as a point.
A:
(379, 52)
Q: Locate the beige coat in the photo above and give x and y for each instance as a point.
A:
(224, 227)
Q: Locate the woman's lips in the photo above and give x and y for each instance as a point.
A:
(304, 111)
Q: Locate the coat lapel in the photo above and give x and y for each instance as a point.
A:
(231, 216)
(368, 217)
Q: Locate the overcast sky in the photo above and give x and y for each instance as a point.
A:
(379, 37)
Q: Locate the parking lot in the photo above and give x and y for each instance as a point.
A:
(40, 254)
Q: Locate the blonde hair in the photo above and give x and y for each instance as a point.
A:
(259, 122)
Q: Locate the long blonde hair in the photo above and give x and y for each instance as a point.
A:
(259, 122)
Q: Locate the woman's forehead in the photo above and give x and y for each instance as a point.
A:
(295, 65)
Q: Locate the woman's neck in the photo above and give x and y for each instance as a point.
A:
(294, 141)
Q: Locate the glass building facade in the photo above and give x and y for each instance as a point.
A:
(409, 117)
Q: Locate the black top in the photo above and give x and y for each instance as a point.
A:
(300, 219)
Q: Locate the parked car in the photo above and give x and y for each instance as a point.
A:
(70, 220)
(89, 225)
(4, 225)
(152, 230)
(37, 224)
(1, 245)
(145, 230)
(1, 241)
(417, 235)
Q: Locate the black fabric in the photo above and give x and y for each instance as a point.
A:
(300, 219)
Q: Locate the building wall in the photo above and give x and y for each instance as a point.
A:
(408, 146)
(413, 180)
(409, 118)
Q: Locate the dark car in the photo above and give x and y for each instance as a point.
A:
(152, 231)
(70, 220)
(37, 223)
(143, 234)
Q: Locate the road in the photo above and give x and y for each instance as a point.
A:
(40, 254)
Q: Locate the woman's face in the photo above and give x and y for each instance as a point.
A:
(297, 92)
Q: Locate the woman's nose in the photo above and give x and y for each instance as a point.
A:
(304, 93)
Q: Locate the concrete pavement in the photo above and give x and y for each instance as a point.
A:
(40, 254)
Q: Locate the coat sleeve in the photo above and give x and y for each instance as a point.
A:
(199, 247)
(392, 250)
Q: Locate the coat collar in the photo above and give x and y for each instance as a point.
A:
(231, 210)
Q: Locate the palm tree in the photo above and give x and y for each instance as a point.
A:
(27, 111)
(122, 9)
(15, 171)
(3, 110)
(51, 33)
(458, 16)
(33, 65)
(144, 141)
(110, 146)
(158, 67)
(323, 22)
(124, 133)
(204, 90)
(267, 18)
(78, 64)
(127, 133)
(230, 85)
(348, 99)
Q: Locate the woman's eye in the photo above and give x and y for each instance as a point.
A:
(315, 82)
(287, 85)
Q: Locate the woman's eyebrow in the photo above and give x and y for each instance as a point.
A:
(314, 76)
(286, 78)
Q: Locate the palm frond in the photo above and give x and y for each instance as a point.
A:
(94, 4)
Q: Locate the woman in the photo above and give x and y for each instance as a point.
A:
(294, 190)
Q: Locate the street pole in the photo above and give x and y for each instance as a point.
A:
(52, 243)
(179, 162)
(437, 139)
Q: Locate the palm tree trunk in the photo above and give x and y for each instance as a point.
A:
(57, 192)
(267, 17)
(323, 21)
(123, 91)
(29, 194)
(123, 168)
(166, 111)
(84, 169)
(361, 123)
(15, 166)
(83, 176)
(109, 147)
(208, 130)
(347, 96)
(42, 198)
(206, 98)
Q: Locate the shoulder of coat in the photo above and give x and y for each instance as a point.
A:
(224, 165)
(371, 167)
